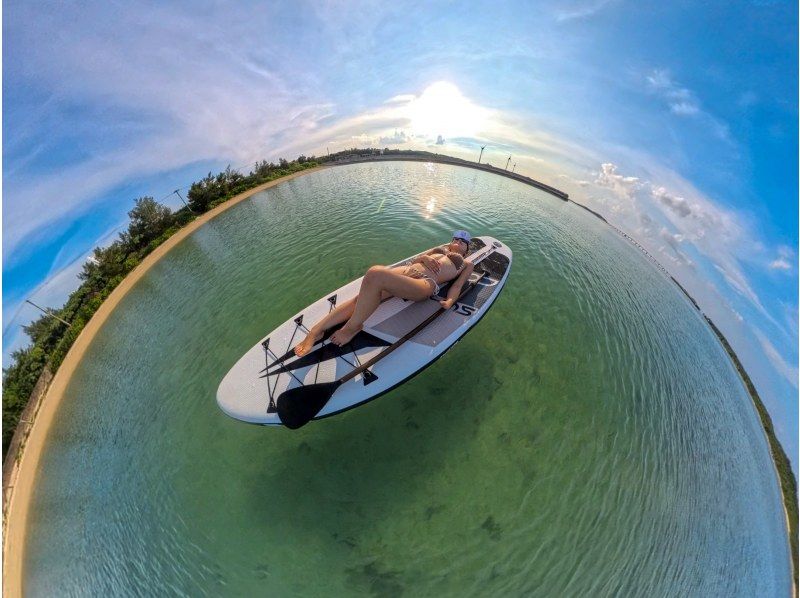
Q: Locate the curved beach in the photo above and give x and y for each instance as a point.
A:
(17, 514)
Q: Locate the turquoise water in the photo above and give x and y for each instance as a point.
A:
(588, 437)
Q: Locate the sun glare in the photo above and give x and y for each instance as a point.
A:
(430, 207)
(443, 110)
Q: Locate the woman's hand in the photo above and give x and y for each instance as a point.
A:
(430, 263)
(447, 303)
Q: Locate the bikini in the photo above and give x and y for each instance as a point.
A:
(456, 259)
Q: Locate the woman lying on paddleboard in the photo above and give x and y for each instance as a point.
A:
(416, 282)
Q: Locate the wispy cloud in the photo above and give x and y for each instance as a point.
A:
(581, 10)
(684, 102)
(201, 98)
(679, 99)
(400, 99)
(782, 262)
(719, 234)
(398, 138)
(787, 370)
(624, 186)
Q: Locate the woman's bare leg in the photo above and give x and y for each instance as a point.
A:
(378, 280)
(341, 314)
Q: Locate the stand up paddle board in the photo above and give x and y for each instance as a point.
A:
(400, 338)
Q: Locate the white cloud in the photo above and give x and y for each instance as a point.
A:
(688, 218)
(684, 102)
(680, 100)
(787, 370)
(623, 186)
(673, 241)
(581, 10)
(780, 264)
(398, 138)
(678, 205)
(785, 259)
(404, 98)
(684, 108)
(203, 97)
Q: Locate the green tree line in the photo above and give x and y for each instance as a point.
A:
(151, 223)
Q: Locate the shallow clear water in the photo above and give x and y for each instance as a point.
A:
(588, 437)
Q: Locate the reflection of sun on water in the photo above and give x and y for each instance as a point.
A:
(430, 207)
(443, 110)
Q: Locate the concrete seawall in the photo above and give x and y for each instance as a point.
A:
(455, 162)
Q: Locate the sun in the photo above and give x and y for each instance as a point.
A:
(443, 110)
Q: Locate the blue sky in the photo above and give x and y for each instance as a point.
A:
(677, 121)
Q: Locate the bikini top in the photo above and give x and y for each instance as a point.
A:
(456, 258)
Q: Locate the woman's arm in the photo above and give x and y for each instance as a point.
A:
(458, 283)
(431, 251)
(427, 261)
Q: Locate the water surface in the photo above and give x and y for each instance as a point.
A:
(589, 437)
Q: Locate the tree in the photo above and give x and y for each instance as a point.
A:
(202, 193)
(149, 219)
(44, 329)
(263, 168)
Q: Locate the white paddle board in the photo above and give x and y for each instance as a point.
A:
(251, 388)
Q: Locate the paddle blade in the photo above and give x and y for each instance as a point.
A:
(298, 406)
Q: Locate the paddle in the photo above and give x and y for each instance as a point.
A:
(298, 406)
(290, 353)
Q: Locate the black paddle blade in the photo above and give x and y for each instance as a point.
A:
(298, 406)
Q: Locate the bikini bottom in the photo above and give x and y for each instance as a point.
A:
(421, 275)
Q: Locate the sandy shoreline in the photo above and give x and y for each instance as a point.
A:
(17, 515)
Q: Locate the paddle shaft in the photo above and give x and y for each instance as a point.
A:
(367, 364)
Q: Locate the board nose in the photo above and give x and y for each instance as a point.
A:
(242, 398)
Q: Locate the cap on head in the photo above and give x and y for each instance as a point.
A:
(463, 235)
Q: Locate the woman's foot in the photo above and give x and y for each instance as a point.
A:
(344, 335)
(308, 342)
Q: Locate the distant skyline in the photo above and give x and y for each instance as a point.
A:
(677, 121)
